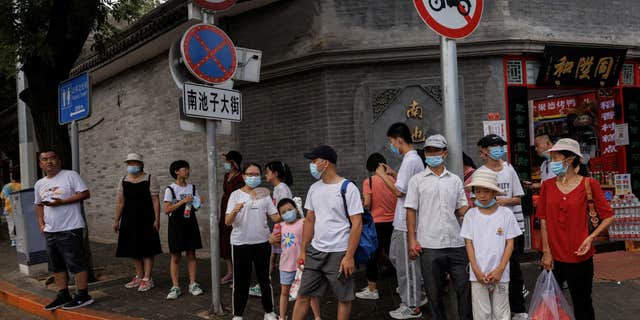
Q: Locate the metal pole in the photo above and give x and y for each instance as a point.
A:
(216, 305)
(452, 119)
(75, 147)
(26, 139)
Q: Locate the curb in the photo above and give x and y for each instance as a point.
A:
(34, 304)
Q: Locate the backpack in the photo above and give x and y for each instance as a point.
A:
(368, 238)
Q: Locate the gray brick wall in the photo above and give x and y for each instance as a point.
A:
(138, 110)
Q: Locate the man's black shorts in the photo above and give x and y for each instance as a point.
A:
(66, 251)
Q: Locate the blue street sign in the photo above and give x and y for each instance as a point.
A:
(73, 99)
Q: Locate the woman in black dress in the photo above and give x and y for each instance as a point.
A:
(137, 221)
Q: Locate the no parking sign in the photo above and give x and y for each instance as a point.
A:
(209, 53)
(453, 19)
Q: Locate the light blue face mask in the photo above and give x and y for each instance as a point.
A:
(227, 167)
(558, 168)
(253, 181)
(483, 206)
(133, 169)
(434, 161)
(496, 152)
(394, 150)
(290, 216)
(313, 168)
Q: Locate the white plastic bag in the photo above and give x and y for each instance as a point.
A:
(295, 286)
(548, 302)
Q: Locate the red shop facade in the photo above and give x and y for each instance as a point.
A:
(589, 94)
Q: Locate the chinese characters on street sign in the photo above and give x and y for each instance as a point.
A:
(574, 66)
(73, 99)
(201, 101)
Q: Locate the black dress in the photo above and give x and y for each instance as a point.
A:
(137, 238)
(184, 233)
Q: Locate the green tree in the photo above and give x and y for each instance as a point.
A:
(47, 37)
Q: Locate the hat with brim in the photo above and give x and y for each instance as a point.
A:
(134, 157)
(567, 144)
(485, 179)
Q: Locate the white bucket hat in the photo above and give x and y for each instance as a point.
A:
(134, 157)
(567, 144)
(486, 179)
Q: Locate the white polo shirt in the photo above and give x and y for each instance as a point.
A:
(411, 165)
(436, 198)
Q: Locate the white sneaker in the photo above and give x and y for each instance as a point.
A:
(174, 293)
(520, 316)
(270, 316)
(236, 318)
(195, 289)
(400, 308)
(368, 294)
(405, 312)
(423, 302)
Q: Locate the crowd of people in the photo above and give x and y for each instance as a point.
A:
(433, 227)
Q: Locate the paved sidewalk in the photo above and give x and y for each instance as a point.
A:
(613, 300)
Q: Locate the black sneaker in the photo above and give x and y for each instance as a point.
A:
(61, 300)
(78, 301)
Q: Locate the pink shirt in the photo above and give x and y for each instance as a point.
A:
(290, 244)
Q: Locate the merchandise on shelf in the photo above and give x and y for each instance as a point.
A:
(627, 218)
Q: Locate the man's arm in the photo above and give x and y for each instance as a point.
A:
(411, 234)
(73, 199)
(347, 266)
(307, 234)
(40, 214)
(382, 173)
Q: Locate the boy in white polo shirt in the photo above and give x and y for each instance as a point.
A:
(489, 231)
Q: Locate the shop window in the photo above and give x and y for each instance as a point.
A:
(627, 74)
(533, 68)
(514, 72)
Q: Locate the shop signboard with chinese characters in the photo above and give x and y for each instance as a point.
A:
(560, 107)
(207, 102)
(607, 124)
(581, 66)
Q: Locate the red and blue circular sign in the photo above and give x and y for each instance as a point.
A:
(208, 53)
(215, 5)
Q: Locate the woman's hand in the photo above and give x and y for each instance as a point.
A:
(187, 199)
(547, 261)
(156, 225)
(585, 246)
(116, 226)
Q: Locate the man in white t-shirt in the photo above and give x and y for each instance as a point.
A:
(330, 239)
(407, 270)
(58, 198)
(492, 148)
(542, 144)
(435, 201)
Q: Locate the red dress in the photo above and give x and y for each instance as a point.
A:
(228, 186)
(566, 217)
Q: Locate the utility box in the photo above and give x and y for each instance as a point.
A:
(30, 242)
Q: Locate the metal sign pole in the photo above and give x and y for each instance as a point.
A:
(452, 117)
(216, 305)
(75, 147)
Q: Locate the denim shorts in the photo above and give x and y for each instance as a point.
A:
(66, 251)
(286, 277)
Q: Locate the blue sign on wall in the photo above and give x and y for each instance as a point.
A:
(73, 99)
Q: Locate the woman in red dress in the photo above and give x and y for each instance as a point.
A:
(232, 182)
(563, 212)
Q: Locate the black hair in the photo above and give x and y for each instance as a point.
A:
(467, 161)
(48, 151)
(250, 164)
(177, 165)
(374, 160)
(284, 201)
(544, 135)
(400, 130)
(282, 170)
(15, 173)
(576, 163)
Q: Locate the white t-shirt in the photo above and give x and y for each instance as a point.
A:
(64, 185)
(411, 165)
(250, 225)
(181, 192)
(331, 229)
(281, 191)
(509, 181)
(436, 199)
(489, 234)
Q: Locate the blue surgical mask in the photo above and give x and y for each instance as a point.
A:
(483, 206)
(253, 181)
(394, 150)
(496, 152)
(558, 168)
(434, 161)
(227, 167)
(133, 169)
(290, 216)
(314, 171)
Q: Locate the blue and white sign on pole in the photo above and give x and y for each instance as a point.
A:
(73, 99)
